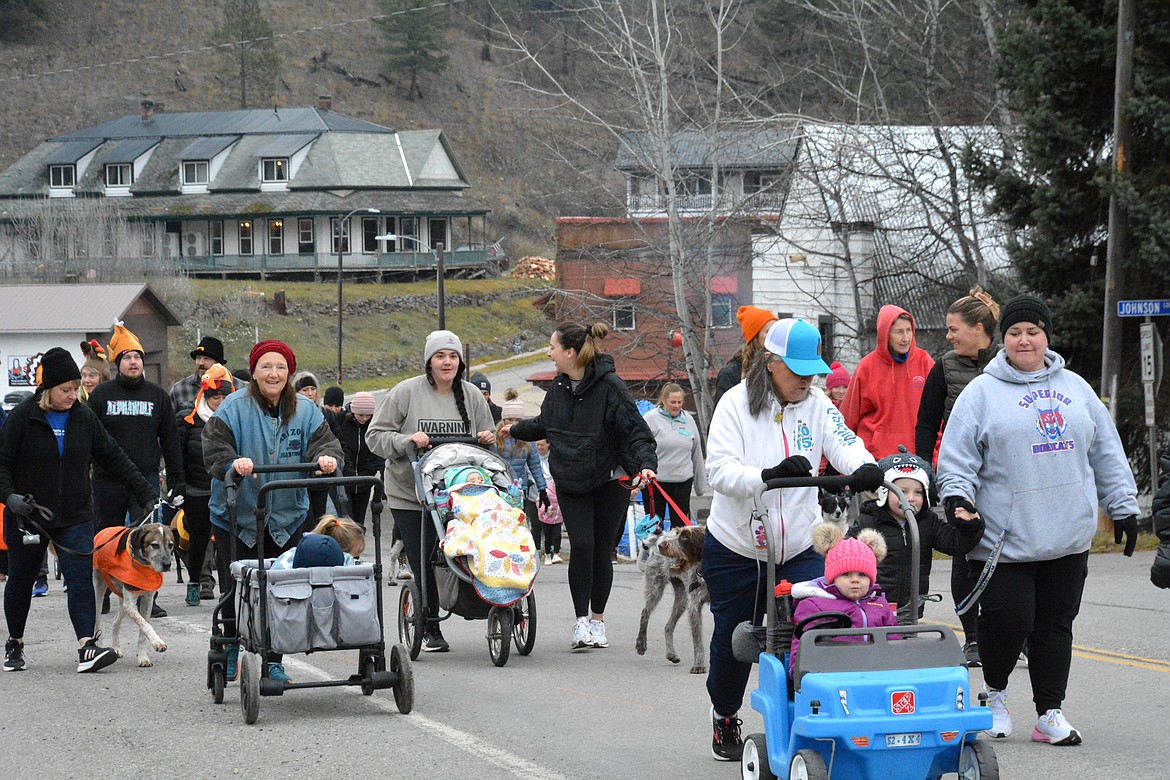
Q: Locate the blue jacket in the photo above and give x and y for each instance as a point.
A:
(240, 428)
(523, 465)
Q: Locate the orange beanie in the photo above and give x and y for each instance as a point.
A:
(752, 320)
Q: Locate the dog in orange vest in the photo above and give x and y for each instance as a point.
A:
(130, 562)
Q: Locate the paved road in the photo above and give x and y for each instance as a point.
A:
(554, 714)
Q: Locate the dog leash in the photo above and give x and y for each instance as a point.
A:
(46, 515)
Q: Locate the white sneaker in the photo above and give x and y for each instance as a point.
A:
(546, 560)
(556, 558)
(1051, 727)
(597, 631)
(1001, 716)
(581, 636)
(404, 568)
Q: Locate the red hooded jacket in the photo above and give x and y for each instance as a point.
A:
(881, 405)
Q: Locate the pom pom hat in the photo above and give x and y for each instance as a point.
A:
(752, 320)
(845, 555)
(272, 345)
(798, 344)
(838, 377)
(512, 410)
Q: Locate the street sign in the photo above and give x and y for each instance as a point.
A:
(1151, 343)
(1151, 308)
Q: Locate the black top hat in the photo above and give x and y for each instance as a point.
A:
(211, 347)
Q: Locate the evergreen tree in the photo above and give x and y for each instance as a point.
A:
(19, 19)
(416, 34)
(251, 57)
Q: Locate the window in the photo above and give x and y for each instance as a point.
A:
(623, 315)
(276, 236)
(370, 234)
(195, 172)
(723, 310)
(340, 233)
(438, 233)
(245, 238)
(120, 175)
(217, 237)
(62, 175)
(148, 239)
(760, 181)
(695, 185)
(407, 229)
(274, 169)
(305, 236)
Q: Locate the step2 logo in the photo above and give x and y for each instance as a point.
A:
(902, 702)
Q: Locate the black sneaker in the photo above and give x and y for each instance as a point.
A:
(156, 611)
(433, 641)
(106, 603)
(971, 654)
(14, 656)
(726, 742)
(90, 658)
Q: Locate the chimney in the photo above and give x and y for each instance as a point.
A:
(325, 102)
(147, 110)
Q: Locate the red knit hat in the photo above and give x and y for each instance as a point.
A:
(838, 378)
(272, 345)
(752, 320)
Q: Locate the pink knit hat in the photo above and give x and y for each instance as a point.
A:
(845, 555)
(362, 403)
(839, 377)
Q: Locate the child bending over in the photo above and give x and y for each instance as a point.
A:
(315, 552)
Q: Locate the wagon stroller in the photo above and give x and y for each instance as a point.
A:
(303, 610)
(510, 611)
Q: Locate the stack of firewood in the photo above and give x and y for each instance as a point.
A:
(535, 268)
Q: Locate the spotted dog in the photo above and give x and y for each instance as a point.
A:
(674, 558)
(130, 562)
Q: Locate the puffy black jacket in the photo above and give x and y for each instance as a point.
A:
(591, 430)
(31, 464)
(934, 533)
(191, 445)
(359, 460)
(729, 376)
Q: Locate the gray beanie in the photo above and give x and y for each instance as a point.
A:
(441, 339)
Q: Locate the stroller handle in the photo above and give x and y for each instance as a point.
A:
(441, 438)
(832, 482)
(232, 478)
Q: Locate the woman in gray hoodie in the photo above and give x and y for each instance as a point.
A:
(1031, 446)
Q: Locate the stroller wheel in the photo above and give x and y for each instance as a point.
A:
(411, 620)
(524, 624)
(499, 634)
(404, 686)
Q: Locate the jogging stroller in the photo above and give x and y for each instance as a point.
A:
(476, 579)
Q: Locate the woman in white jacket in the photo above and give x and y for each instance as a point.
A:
(773, 424)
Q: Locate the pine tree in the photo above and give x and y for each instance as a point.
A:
(250, 52)
(416, 34)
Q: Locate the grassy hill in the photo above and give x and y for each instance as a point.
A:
(384, 326)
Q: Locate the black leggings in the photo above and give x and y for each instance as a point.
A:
(197, 520)
(1037, 602)
(593, 520)
(963, 576)
(416, 528)
(679, 492)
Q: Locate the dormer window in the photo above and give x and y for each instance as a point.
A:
(120, 175)
(274, 169)
(195, 172)
(62, 175)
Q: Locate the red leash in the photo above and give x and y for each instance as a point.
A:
(628, 483)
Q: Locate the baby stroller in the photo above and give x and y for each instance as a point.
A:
(510, 611)
(303, 610)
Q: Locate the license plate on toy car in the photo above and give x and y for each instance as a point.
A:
(903, 740)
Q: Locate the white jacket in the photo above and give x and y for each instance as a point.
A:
(740, 447)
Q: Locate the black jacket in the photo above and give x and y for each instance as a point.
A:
(141, 419)
(729, 376)
(191, 445)
(934, 533)
(591, 430)
(31, 464)
(359, 460)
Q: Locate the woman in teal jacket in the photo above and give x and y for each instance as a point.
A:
(264, 423)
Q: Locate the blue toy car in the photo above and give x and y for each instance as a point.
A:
(893, 703)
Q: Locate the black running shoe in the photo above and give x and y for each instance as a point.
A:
(156, 611)
(971, 654)
(14, 656)
(433, 641)
(90, 658)
(726, 741)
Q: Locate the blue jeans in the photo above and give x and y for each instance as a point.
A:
(24, 563)
(113, 504)
(738, 588)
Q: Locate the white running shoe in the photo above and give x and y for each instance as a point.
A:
(1001, 716)
(1051, 727)
(597, 631)
(581, 636)
(556, 558)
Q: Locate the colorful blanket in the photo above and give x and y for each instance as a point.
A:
(491, 537)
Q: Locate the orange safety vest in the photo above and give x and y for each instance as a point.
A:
(111, 557)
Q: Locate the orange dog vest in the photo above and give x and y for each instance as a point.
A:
(111, 557)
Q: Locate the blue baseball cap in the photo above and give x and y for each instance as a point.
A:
(798, 344)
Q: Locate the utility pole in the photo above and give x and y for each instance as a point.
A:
(1115, 250)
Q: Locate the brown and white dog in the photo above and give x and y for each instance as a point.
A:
(674, 558)
(130, 562)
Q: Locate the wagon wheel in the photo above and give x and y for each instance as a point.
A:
(218, 682)
(366, 669)
(807, 765)
(250, 686)
(404, 688)
(978, 762)
(524, 624)
(410, 617)
(754, 762)
(499, 633)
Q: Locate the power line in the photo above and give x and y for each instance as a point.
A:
(213, 47)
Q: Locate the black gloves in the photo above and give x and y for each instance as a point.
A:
(868, 477)
(175, 496)
(792, 466)
(17, 504)
(543, 500)
(1160, 571)
(1128, 527)
(951, 503)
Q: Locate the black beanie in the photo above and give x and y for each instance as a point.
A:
(57, 368)
(334, 396)
(1025, 308)
(306, 381)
